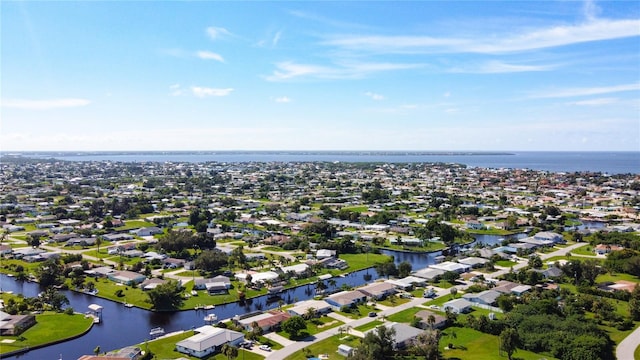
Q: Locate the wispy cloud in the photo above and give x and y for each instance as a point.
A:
(289, 70)
(176, 90)
(276, 38)
(595, 102)
(216, 33)
(283, 99)
(374, 96)
(203, 92)
(594, 30)
(497, 67)
(575, 92)
(208, 55)
(590, 10)
(48, 104)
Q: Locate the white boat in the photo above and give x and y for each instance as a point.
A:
(126, 304)
(210, 318)
(209, 307)
(156, 331)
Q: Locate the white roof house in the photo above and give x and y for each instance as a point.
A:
(297, 268)
(208, 340)
(258, 277)
(301, 308)
(451, 266)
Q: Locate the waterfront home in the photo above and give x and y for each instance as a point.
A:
(429, 274)
(297, 269)
(378, 290)
(257, 277)
(301, 308)
(152, 283)
(126, 277)
(208, 340)
(15, 324)
(269, 321)
(102, 271)
(346, 298)
(474, 262)
(451, 266)
(325, 253)
(407, 283)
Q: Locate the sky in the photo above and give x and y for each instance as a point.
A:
(320, 75)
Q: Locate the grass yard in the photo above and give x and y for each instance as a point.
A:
(134, 224)
(404, 316)
(506, 263)
(616, 277)
(360, 312)
(49, 327)
(315, 326)
(368, 326)
(327, 346)
(8, 266)
(359, 261)
(395, 302)
(470, 344)
(107, 290)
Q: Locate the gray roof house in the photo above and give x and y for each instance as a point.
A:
(487, 297)
(458, 306)
(208, 340)
(405, 334)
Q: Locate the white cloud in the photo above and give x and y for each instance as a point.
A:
(276, 38)
(590, 10)
(374, 96)
(498, 67)
(217, 32)
(595, 102)
(208, 55)
(48, 104)
(562, 35)
(573, 92)
(282, 99)
(202, 92)
(289, 70)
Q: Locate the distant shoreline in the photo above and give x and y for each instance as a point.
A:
(249, 152)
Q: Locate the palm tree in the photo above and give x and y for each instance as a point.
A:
(431, 320)
(231, 352)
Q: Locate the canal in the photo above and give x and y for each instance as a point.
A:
(124, 326)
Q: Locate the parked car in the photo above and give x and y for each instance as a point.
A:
(372, 314)
(265, 347)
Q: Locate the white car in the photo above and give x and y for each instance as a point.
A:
(264, 347)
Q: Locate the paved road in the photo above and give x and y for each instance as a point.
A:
(624, 350)
(559, 252)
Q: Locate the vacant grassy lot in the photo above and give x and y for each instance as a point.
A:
(404, 316)
(362, 261)
(49, 327)
(506, 263)
(315, 326)
(369, 326)
(327, 346)
(473, 345)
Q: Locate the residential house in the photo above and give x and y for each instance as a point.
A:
(474, 262)
(268, 321)
(126, 277)
(346, 298)
(429, 274)
(15, 324)
(147, 231)
(152, 283)
(320, 307)
(439, 321)
(404, 336)
(208, 340)
(378, 290)
(345, 350)
(487, 297)
(458, 306)
(603, 249)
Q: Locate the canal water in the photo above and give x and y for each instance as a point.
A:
(123, 326)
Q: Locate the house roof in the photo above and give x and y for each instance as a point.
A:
(404, 332)
(376, 289)
(209, 337)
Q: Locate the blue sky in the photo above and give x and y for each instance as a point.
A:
(349, 75)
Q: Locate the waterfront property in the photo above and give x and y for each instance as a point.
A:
(15, 324)
(208, 340)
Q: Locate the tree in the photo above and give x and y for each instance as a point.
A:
(294, 325)
(54, 298)
(509, 341)
(211, 260)
(96, 350)
(634, 303)
(404, 269)
(166, 296)
(50, 273)
(535, 262)
(450, 277)
(231, 352)
(175, 240)
(377, 345)
(453, 291)
(426, 345)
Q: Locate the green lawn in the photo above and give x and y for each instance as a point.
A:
(362, 311)
(107, 289)
(404, 316)
(616, 277)
(506, 263)
(165, 349)
(134, 224)
(395, 302)
(369, 326)
(49, 327)
(470, 344)
(315, 326)
(327, 346)
(362, 261)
